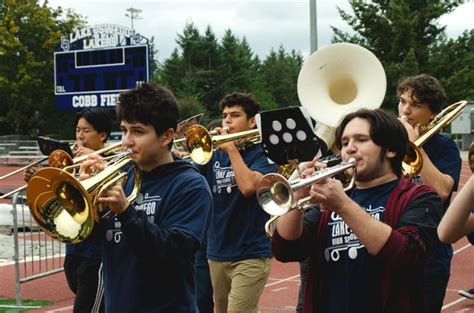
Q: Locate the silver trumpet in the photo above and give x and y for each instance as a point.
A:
(277, 196)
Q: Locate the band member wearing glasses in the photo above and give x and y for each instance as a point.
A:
(82, 264)
(421, 98)
(150, 245)
(367, 247)
(238, 250)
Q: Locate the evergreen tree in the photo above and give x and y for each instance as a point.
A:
(401, 33)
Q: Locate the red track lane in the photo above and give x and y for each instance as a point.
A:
(281, 290)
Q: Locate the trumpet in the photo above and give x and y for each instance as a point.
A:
(201, 143)
(66, 208)
(413, 160)
(61, 159)
(277, 196)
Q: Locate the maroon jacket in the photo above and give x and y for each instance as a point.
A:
(402, 257)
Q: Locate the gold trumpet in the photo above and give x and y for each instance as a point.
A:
(413, 160)
(201, 143)
(61, 159)
(67, 208)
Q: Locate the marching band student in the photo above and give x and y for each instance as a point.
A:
(458, 221)
(82, 264)
(239, 251)
(367, 248)
(421, 98)
(150, 245)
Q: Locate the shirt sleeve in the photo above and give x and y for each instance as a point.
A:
(180, 230)
(298, 250)
(415, 235)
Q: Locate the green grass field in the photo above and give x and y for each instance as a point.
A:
(6, 305)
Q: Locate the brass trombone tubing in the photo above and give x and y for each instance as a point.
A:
(23, 168)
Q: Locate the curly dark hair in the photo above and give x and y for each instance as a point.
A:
(150, 104)
(100, 119)
(246, 100)
(425, 89)
(386, 131)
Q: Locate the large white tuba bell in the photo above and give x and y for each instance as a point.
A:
(338, 79)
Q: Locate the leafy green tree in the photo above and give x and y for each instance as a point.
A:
(28, 33)
(401, 33)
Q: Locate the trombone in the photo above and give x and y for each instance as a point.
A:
(201, 143)
(60, 159)
(413, 160)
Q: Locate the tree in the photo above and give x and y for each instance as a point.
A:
(280, 73)
(28, 34)
(401, 33)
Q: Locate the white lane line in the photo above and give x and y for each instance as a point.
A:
(66, 308)
(279, 281)
(462, 248)
(279, 289)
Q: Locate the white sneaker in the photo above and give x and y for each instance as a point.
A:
(467, 293)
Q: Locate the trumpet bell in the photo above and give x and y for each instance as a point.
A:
(338, 79)
(274, 193)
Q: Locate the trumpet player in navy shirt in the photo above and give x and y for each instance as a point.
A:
(150, 244)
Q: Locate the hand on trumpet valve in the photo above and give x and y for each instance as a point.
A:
(307, 169)
(91, 166)
(329, 194)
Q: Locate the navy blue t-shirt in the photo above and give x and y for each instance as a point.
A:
(237, 228)
(149, 249)
(353, 270)
(444, 154)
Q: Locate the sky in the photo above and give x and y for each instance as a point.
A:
(265, 24)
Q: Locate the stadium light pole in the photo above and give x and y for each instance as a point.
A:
(313, 26)
(133, 15)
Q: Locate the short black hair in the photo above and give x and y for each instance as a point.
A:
(425, 89)
(386, 131)
(246, 100)
(100, 119)
(150, 104)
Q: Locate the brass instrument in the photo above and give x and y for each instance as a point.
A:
(333, 81)
(61, 159)
(67, 208)
(201, 143)
(179, 143)
(413, 161)
(278, 196)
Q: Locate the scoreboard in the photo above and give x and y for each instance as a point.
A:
(96, 77)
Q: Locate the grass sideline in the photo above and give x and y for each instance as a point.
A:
(6, 305)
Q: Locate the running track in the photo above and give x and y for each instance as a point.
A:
(280, 293)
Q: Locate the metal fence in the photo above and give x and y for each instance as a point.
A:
(36, 255)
